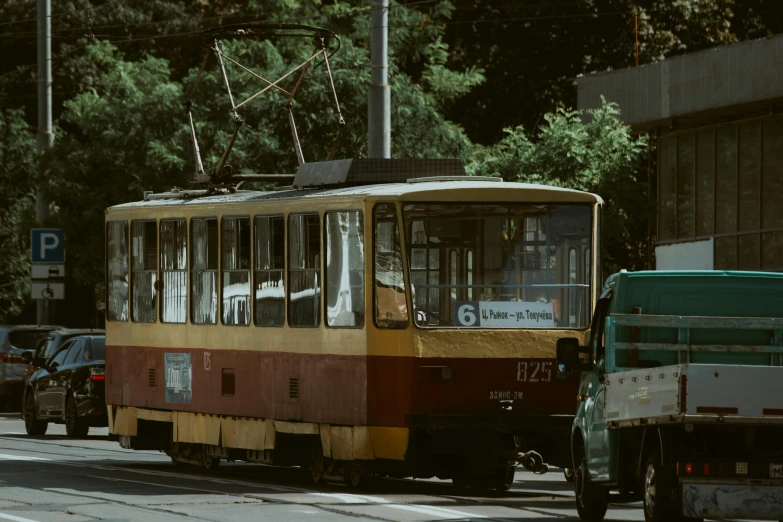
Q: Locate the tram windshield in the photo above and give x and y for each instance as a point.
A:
(515, 265)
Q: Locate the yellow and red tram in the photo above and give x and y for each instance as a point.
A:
(386, 322)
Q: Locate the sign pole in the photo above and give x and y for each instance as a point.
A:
(45, 135)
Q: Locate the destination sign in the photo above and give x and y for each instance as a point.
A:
(504, 314)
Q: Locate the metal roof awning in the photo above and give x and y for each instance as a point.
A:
(705, 87)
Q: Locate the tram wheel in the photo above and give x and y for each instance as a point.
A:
(208, 462)
(354, 477)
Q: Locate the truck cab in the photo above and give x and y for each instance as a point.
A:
(680, 402)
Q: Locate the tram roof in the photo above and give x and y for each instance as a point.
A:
(418, 191)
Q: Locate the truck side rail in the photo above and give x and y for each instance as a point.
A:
(684, 324)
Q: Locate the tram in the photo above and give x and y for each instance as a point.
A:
(390, 317)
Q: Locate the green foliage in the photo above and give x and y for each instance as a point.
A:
(584, 150)
(124, 128)
(19, 160)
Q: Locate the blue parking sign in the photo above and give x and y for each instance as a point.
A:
(46, 245)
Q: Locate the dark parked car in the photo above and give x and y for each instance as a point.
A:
(68, 388)
(49, 345)
(14, 341)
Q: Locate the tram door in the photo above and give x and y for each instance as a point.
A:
(460, 267)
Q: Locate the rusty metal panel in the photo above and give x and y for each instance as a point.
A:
(198, 429)
(296, 428)
(153, 415)
(389, 443)
(110, 413)
(125, 421)
(326, 439)
(362, 445)
(269, 434)
(342, 442)
(243, 433)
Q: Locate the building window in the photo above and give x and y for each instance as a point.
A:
(144, 260)
(705, 183)
(173, 267)
(391, 308)
(749, 178)
(726, 180)
(235, 267)
(203, 270)
(117, 271)
(667, 189)
(344, 269)
(304, 268)
(269, 271)
(727, 183)
(686, 178)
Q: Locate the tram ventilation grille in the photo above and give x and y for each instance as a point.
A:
(293, 388)
(152, 378)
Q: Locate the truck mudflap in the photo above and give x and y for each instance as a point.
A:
(721, 501)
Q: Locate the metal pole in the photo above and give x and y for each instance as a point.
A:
(379, 117)
(45, 135)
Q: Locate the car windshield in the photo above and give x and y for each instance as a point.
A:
(515, 265)
(98, 349)
(26, 339)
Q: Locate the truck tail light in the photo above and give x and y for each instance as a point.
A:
(706, 469)
(97, 374)
(741, 468)
(689, 468)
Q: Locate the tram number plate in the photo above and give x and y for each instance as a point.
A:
(534, 371)
(776, 471)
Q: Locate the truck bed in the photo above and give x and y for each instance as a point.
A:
(694, 393)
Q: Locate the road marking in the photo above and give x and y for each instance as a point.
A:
(6, 516)
(19, 457)
(416, 508)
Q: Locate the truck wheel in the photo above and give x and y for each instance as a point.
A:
(655, 490)
(591, 500)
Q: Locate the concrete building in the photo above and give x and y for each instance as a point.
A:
(717, 116)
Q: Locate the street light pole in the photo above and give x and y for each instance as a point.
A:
(45, 135)
(379, 117)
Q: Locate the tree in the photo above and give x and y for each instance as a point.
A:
(125, 130)
(584, 150)
(18, 157)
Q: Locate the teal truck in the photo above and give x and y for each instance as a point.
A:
(681, 396)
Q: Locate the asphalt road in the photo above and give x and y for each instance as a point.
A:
(53, 478)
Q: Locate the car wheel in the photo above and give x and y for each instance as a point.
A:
(74, 426)
(591, 500)
(32, 425)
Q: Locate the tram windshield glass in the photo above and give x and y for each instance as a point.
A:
(516, 265)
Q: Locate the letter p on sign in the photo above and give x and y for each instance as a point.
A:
(46, 245)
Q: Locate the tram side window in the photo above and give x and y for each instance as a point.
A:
(144, 259)
(269, 271)
(203, 270)
(235, 265)
(344, 269)
(117, 270)
(304, 254)
(173, 266)
(391, 308)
